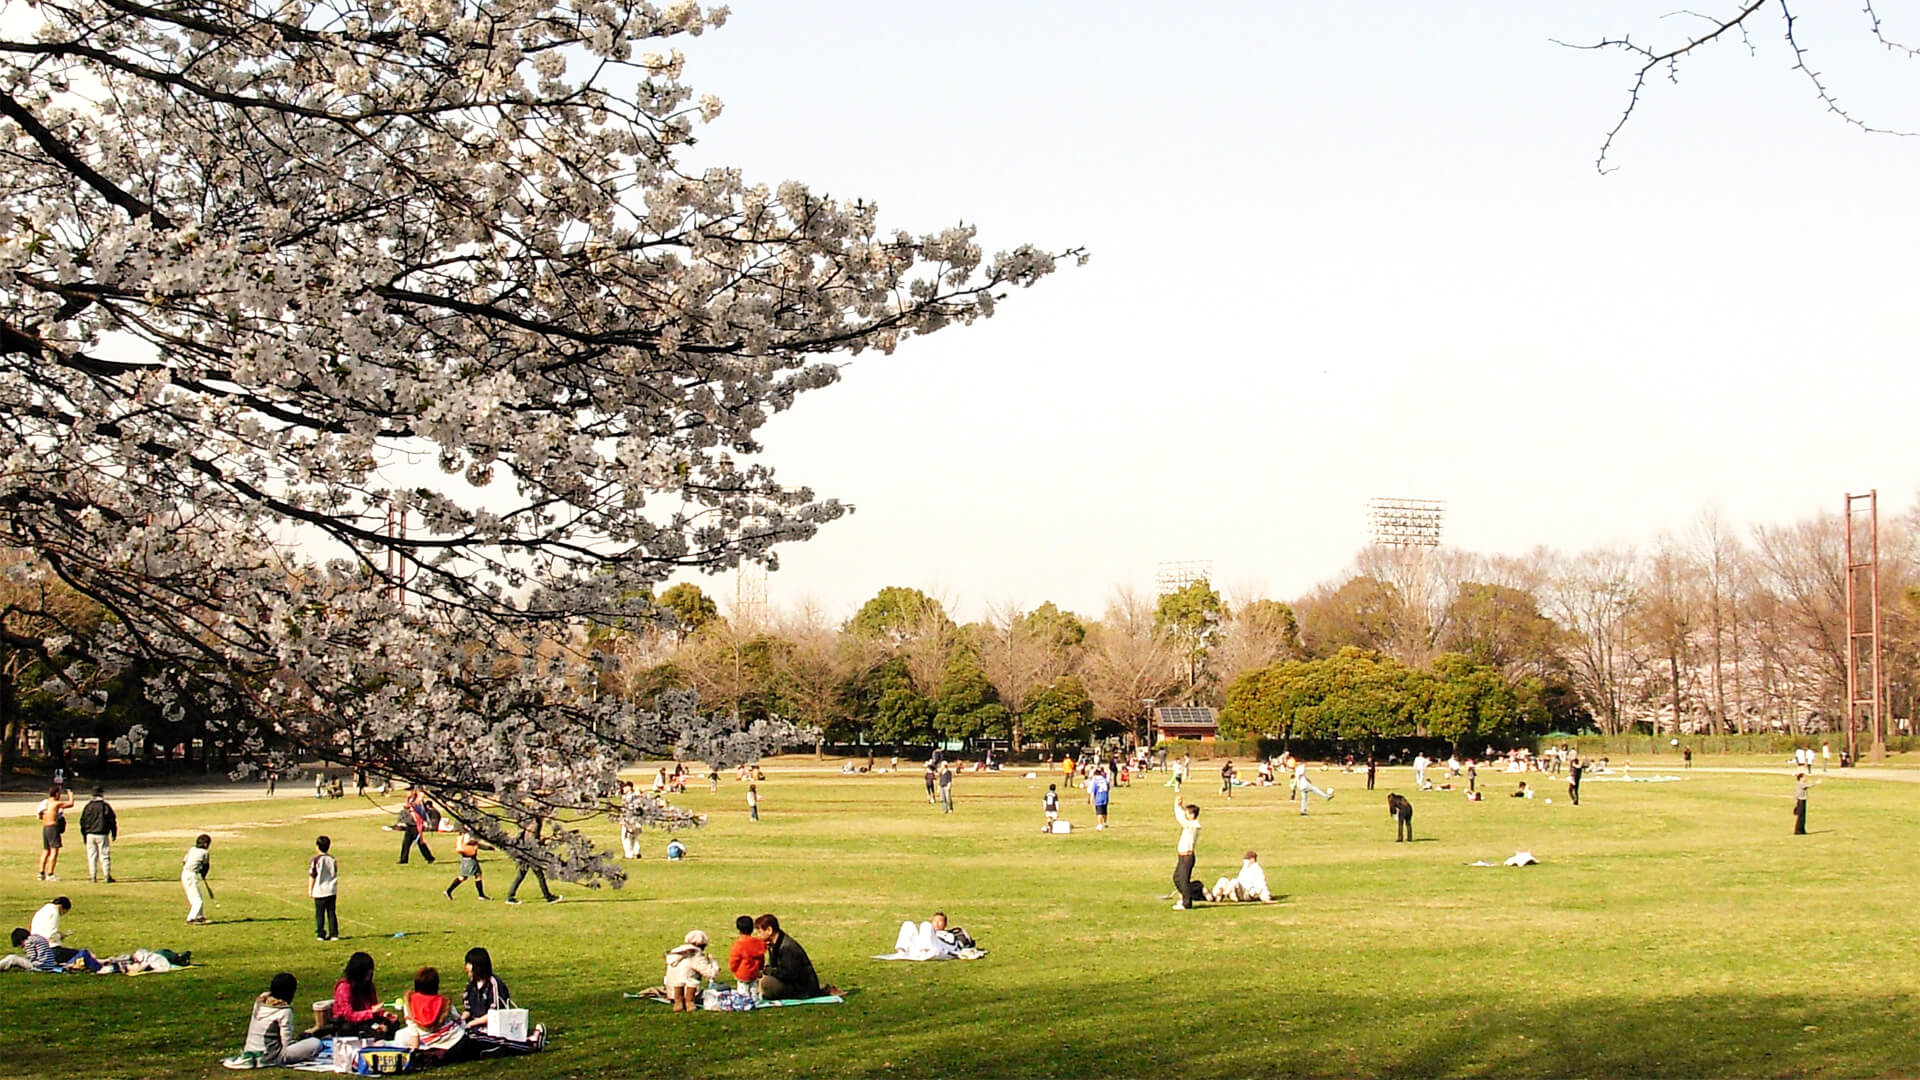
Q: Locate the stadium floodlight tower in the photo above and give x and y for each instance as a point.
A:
(1174, 576)
(1405, 523)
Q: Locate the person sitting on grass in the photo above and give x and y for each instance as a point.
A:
(748, 955)
(43, 955)
(688, 965)
(356, 1004)
(1250, 885)
(788, 974)
(430, 1022)
(485, 990)
(1522, 792)
(270, 1038)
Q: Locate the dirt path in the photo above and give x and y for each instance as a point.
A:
(23, 804)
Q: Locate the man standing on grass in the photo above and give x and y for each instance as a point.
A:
(99, 827)
(1802, 784)
(1098, 789)
(1188, 818)
(946, 787)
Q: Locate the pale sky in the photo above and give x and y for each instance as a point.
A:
(1339, 251)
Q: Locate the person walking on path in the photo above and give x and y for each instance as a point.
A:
(323, 888)
(946, 787)
(1186, 816)
(194, 868)
(99, 828)
(52, 813)
(1802, 784)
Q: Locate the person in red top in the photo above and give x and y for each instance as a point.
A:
(356, 1004)
(431, 1023)
(748, 955)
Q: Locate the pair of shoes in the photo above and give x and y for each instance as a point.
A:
(511, 900)
(50, 877)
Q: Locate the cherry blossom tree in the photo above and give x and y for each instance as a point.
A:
(254, 257)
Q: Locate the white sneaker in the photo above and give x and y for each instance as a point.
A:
(1179, 907)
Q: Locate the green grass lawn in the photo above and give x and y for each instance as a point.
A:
(1671, 929)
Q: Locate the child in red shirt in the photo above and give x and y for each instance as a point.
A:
(748, 955)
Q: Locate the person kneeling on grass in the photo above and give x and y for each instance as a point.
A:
(270, 1039)
(1250, 885)
(688, 965)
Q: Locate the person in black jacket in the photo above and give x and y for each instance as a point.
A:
(788, 973)
(100, 827)
(1401, 810)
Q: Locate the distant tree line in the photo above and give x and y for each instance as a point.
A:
(1713, 631)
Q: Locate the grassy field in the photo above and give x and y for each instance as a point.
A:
(1672, 929)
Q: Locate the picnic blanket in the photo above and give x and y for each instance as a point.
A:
(963, 954)
(1518, 858)
(741, 1003)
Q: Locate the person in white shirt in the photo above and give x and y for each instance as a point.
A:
(1188, 818)
(193, 877)
(1306, 787)
(1420, 772)
(46, 921)
(1249, 886)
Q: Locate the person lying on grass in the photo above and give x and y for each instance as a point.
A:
(43, 955)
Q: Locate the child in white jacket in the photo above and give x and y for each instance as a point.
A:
(687, 966)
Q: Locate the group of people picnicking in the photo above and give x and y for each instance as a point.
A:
(424, 1022)
(766, 963)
